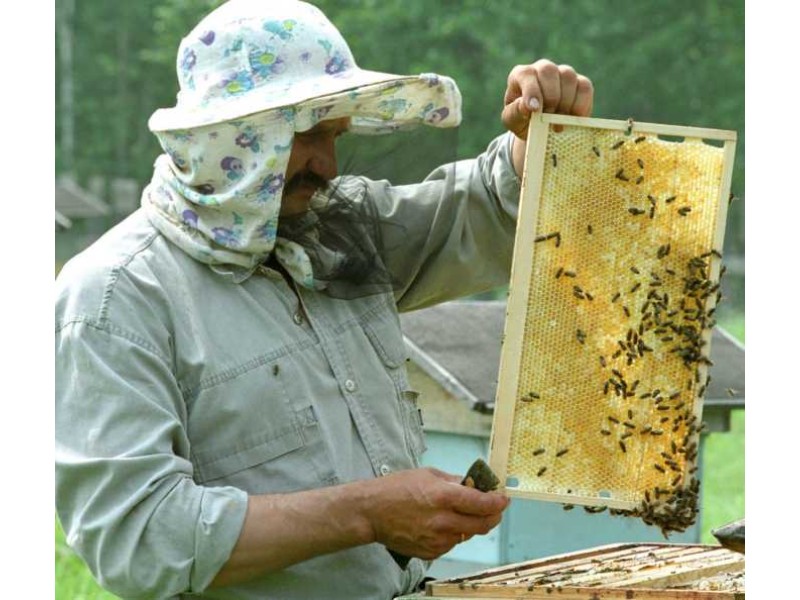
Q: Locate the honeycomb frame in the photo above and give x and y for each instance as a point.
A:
(620, 224)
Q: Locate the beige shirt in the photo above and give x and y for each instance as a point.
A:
(179, 392)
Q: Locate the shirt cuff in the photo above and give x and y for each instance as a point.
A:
(219, 524)
(505, 180)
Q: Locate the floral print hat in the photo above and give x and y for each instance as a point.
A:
(251, 74)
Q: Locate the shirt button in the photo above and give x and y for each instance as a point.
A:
(350, 385)
(385, 470)
(297, 318)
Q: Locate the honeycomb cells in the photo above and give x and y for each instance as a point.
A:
(621, 299)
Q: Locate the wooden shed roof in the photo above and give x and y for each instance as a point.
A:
(72, 201)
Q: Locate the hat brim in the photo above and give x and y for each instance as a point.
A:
(263, 99)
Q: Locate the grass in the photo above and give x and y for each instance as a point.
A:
(722, 499)
(73, 579)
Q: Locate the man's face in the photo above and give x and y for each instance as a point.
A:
(312, 164)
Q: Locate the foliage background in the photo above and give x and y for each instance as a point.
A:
(672, 61)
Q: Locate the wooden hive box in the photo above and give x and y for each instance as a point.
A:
(613, 572)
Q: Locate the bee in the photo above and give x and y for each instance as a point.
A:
(625, 435)
(641, 138)
(636, 287)
(541, 471)
(589, 229)
(613, 419)
(605, 432)
(555, 160)
(639, 179)
(676, 480)
(596, 151)
(622, 446)
(626, 311)
(630, 412)
(616, 297)
(569, 274)
(534, 395)
(621, 175)
(684, 210)
(652, 212)
(640, 162)
(559, 272)
(656, 432)
(603, 362)
(635, 270)
(664, 419)
(594, 509)
(275, 370)
(647, 429)
(670, 200)
(589, 296)
(538, 452)
(618, 144)
(540, 238)
(562, 452)
(659, 468)
(569, 506)
(636, 211)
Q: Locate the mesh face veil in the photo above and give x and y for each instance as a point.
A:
(253, 74)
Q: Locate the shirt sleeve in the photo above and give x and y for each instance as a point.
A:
(124, 490)
(453, 234)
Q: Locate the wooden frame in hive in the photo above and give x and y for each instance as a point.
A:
(613, 291)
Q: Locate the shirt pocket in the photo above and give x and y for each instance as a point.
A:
(415, 434)
(248, 433)
(386, 338)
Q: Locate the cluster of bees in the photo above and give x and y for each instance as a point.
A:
(660, 324)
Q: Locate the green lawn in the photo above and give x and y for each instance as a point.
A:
(73, 579)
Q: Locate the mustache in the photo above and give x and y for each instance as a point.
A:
(305, 178)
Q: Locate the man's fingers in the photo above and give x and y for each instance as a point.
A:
(516, 116)
(469, 501)
(568, 80)
(584, 97)
(545, 77)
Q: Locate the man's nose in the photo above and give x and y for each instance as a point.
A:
(323, 160)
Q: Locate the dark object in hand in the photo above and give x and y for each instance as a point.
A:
(481, 477)
(731, 536)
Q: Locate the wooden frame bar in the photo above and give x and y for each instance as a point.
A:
(524, 257)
